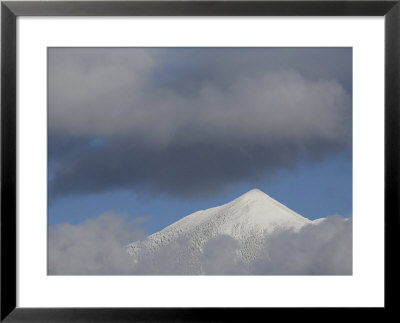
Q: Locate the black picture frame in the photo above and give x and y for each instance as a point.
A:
(10, 10)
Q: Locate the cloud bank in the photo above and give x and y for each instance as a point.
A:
(96, 247)
(93, 247)
(187, 122)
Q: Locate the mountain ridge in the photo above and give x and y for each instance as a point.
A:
(247, 219)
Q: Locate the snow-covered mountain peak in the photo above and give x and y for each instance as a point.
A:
(255, 203)
(254, 194)
(247, 219)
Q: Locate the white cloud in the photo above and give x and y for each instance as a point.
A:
(220, 257)
(93, 247)
(96, 247)
(318, 249)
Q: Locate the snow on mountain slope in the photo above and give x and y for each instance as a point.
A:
(247, 219)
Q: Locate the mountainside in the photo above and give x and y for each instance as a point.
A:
(247, 219)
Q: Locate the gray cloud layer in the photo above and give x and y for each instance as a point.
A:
(190, 121)
(96, 247)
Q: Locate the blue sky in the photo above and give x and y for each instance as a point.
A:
(161, 133)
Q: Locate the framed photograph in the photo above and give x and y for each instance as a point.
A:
(198, 160)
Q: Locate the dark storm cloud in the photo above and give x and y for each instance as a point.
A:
(192, 66)
(190, 121)
(180, 169)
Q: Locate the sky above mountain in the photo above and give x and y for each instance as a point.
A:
(158, 133)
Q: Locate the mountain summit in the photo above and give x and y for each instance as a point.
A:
(247, 219)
